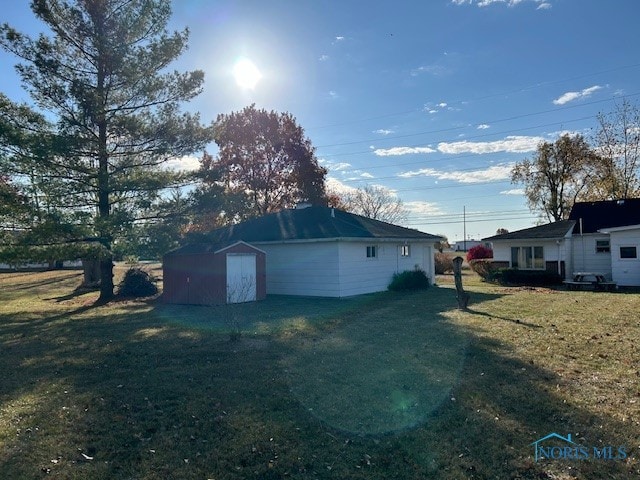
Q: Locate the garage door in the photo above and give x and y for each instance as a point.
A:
(241, 278)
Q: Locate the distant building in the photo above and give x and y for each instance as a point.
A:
(463, 246)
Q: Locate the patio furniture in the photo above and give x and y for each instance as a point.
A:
(590, 279)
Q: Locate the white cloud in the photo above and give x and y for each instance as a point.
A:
(512, 144)
(339, 38)
(422, 207)
(395, 151)
(332, 94)
(483, 126)
(366, 175)
(493, 173)
(323, 58)
(434, 69)
(185, 163)
(571, 96)
(334, 166)
(560, 133)
(340, 166)
(384, 131)
(438, 107)
(513, 191)
(335, 185)
(542, 4)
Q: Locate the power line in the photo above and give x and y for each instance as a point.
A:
(484, 97)
(501, 120)
(454, 222)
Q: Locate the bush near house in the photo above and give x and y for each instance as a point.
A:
(535, 278)
(478, 252)
(443, 263)
(137, 283)
(485, 268)
(409, 280)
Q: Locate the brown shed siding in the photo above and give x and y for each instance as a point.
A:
(201, 278)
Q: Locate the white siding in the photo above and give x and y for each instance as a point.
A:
(502, 251)
(359, 274)
(339, 268)
(585, 257)
(625, 272)
(551, 250)
(308, 269)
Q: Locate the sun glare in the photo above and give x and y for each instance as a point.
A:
(246, 73)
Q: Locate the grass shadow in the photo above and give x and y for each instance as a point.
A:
(512, 320)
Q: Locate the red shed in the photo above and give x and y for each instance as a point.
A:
(214, 274)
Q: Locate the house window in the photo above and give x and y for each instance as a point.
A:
(628, 252)
(603, 246)
(405, 250)
(372, 251)
(531, 258)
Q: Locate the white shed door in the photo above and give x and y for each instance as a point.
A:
(241, 278)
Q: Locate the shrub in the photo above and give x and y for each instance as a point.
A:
(409, 280)
(443, 263)
(485, 268)
(534, 278)
(137, 283)
(478, 252)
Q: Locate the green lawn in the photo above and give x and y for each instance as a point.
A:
(375, 387)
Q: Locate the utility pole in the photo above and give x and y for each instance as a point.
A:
(464, 228)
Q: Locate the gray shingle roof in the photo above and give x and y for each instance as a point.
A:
(553, 230)
(313, 223)
(605, 214)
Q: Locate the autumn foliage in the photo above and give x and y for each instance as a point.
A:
(478, 252)
(266, 158)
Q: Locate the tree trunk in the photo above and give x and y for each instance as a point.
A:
(104, 189)
(91, 271)
(462, 296)
(106, 279)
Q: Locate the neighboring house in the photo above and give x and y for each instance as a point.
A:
(601, 237)
(321, 251)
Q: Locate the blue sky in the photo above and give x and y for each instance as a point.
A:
(434, 100)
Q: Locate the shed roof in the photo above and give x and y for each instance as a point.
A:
(553, 230)
(314, 223)
(206, 247)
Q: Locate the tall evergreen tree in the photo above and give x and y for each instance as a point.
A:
(102, 74)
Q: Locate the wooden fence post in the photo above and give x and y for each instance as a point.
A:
(461, 295)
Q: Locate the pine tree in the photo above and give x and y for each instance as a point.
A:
(102, 74)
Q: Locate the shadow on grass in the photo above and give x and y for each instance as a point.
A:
(124, 393)
(27, 281)
(512, 320)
